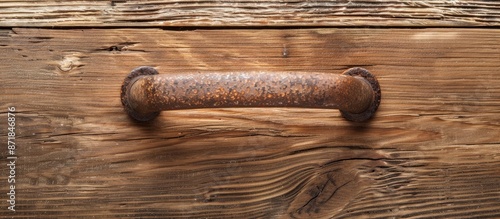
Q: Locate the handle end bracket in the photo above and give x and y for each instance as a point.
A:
(127, 83)
(377, 95)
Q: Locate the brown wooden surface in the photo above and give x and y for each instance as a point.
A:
(231, 13)
(432, 150)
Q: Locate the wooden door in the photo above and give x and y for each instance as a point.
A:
(432, 149)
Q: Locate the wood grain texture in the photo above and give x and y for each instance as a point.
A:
(432, 150)
(231, 13)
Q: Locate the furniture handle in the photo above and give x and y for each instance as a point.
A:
(144, 93)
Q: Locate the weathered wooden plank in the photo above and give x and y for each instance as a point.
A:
(432, 150)
(190, 13)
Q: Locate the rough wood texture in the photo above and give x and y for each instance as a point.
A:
(433, 149)
(190, 13)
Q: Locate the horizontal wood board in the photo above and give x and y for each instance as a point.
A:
(244, 13)
(432, 150)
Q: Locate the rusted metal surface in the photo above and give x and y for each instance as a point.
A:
(356, 93)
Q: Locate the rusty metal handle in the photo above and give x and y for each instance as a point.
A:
(144, 93)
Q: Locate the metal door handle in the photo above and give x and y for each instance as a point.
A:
(144, 93)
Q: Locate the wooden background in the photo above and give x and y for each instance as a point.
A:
(432, 150)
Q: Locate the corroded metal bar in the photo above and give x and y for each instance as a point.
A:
(356, 93)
